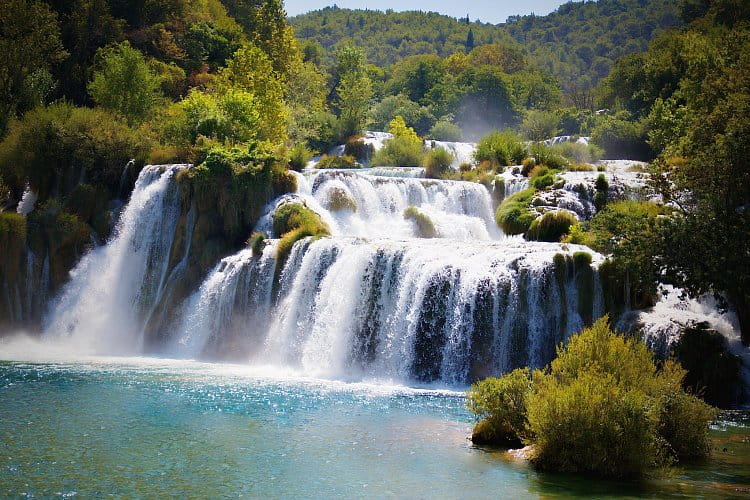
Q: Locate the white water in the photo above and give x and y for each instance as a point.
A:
(114, 288)
(463, 152)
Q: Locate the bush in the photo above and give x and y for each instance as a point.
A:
(540, 125)
(13, 243)
(501, 149)
(544, 155)
(621, 139)
(551, 226)
(335, 161)
(293, 222)
(404, 150)
(256, 242)
(425, 227)
(603, 408)
(578, 152)
(445, 131)
(359, 150)
(500, 404)
(437, 161)
(514, 215)
(541, 177)
(581, 259)
(53, 148)
(299, 155)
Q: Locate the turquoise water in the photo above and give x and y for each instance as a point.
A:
(154, 428)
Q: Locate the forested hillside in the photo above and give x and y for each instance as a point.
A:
(578, 43)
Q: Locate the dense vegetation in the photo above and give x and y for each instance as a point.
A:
(601, 407)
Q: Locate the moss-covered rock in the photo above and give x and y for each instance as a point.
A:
(551, 226)
(425, 226)
(514, 215)
(338, 199)
(293, 222)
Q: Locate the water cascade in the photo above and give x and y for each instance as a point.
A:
(113, 289)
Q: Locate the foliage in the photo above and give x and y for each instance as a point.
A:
(501, 149)
(13, 242)
(293, 222)
(437, 161)
(444, 130)
(404, 150)
(335, 161)
(53, 148)
(30, 46)
(551, 226)
(514, 215)
(621, 139)
(124, 82)
(578, 152)
(299, 155)
(603, 408)
(540, 125)
(359, 150)
(425, 227)
(500, 404)
(418, 117)
(545, 155)
(256, 242)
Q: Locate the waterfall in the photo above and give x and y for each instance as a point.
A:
(114, 288)
(463, 152)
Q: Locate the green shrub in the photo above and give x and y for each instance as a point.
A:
(514, 215)
(335, 161)
(425, 227)
(293, 222)
(359, 150)
(621, 139)
(12, 242)
(445, 131)
(544, 155)
(500, 404)
(53, 148)
(578, 152)
(501, 149)
(437, 161)
(540, 125)
(299, 155)
(581, 259)
(404, 150)
(256, 242)
(551, 226)
(603, 408)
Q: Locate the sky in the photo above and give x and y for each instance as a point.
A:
(492, 11)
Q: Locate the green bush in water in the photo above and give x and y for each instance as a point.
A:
(359, 150)
(256, 242)
(602, 192)
(12, 243)
(334, 161)
(500, 404)
(578, 152)
(712, 370)
(545, 155)
(424, 224)
(581, 259)
(437, 162)
(445, 131)
(501, 149)
(299, 155)
(293, 222)
(551, 226)
(603, 408)
(514, 215)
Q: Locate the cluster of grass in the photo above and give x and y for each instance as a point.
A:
(602, 407)
(514, 215)
(256, 242)
(437, 163)
(501, 149)
(299, 155)
(552, 226)
(293, 222)
(335, 161)
(425, 227)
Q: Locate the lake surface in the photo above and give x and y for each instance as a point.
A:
(145, 427)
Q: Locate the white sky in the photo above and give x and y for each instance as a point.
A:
(485, 10)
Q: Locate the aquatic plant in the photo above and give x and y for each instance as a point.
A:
(514, 215)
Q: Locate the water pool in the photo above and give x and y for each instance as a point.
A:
(143, 427)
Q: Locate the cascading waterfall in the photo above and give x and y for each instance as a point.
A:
(113, 290)
(376, 301)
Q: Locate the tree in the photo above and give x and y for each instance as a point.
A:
(486, 103)
(29, 44)
(251, 70)
(470, 41)
(354, 95)
(540, 125)
(123, 82)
